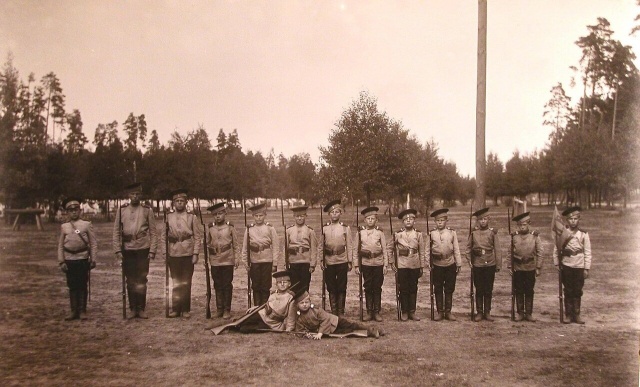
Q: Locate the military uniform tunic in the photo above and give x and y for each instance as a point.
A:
(280, 312)
(77, 248)
(527, 257)
(264, 249)
(444, 247)
(485, 258)
(223, 244)
(337, 243)
(303, 255)
(373, 247)
(410, 257)
(575, 257)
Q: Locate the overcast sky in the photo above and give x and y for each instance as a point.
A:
(281, 72)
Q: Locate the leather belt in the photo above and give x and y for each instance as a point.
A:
(131, 238)
(567, 253)
(82, 250)
(478, 252)
(257, 249)
(338, 251)
(368, 254)
(219, 250)
(297, 250)
(406, 252)
(441, 256)
(179, 239)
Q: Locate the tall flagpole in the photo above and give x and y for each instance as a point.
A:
(481, 104)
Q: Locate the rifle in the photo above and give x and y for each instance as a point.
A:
(360, 294)
(560, 293)
(324, 284)
(124, 280)
(471, 294)
(432, 293)
(246, 225)
(395, 259)
(206, 262)
(286, 239)
(166, 264)
(513, 272)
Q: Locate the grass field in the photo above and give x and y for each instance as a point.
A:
(38, 348)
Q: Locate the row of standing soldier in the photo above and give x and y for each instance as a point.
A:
(135, 243)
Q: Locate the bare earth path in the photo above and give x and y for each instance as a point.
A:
(38, 348)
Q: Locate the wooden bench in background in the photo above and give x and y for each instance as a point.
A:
(26, 212)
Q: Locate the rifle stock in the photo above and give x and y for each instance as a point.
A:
(124, 280)
(471, 293)
(207, 266)
(248, 237)
(395, 259)
(560, 292)
(323, 266)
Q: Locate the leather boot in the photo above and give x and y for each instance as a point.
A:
(576, 311)
(82, 304)
(519, 307)
(568, 310)
(479, 308)
(529, 309)
(332, 303)
(448, 304)
(341, 299)
(227, 297)
(219, 303)
(439, 315)
(368, 316)
(487, 307)
(74, 306)
(412, 307)
(377, 306)
(404, 306)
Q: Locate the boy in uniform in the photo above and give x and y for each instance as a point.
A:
(338, 256)
(316, 320)
(302, 250)
(527, 262)
(445, 258)
(77, 252)
(265, 250)
(485, 260)
(411, 253)
(370, 247)
(135, 240)
(185, 241)
(223, 245)
(575, 261)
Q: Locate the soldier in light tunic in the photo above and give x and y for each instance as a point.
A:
(77, 252)
(303, 250)
(338, 256)
(265, 253)
(371, 246)
(185, 241)
(135, 240)
(485, 260)
(446, 261)
(224, 249)
(527, 262)
(575, 258)
(411, 254)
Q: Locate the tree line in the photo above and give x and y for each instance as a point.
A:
(591, 157)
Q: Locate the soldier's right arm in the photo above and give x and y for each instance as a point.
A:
(93, 243)
(153, 233)
(244, 247)
(117, 233)
(235, 245)
(469, 247)
(349, 241)
(61, 245)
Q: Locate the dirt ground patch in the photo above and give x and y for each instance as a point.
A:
(37, 347)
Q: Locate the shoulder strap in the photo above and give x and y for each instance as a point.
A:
(79, 234)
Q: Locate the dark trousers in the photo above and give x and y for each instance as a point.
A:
(336, 277)
(483, 278)
(77, 274)
(181, 269)
(444, 279)
(260, 281)
(253, 323)
(135, 264)
(408, 280)
(348, 326)
(524, 282)
(372, 279)
(572, 281)
(300, 275)
(222, 277)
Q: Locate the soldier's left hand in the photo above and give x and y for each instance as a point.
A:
(357, 270)
(92, 264)
(586, 273)
(458, 269)
(194, 259)
(497, 269)
(151, 256)
(235, 265)
(317, 336)
(537, 272)
(385, 270)
(421, 273)
(349, 266)
(274, 269)
(312, 269)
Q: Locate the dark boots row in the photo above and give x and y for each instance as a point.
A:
(444, 312)
(337, 302)
(572, 310)
(374, 305)
(524, 308)
(78, 301)
(408, 307)
(483, 307)
(223, 303)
